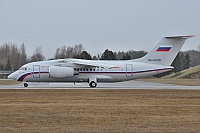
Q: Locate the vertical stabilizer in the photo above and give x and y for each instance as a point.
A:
(165, 51)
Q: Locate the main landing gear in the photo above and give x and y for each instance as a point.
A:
(93, 82)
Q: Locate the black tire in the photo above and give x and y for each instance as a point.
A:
(25, 85)
(93, 84)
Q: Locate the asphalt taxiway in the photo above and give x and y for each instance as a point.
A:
(118, 85)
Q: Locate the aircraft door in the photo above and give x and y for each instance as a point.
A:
(36, 71)
(129, 70)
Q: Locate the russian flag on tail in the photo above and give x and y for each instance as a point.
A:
(164, 49)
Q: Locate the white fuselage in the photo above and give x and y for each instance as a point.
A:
(120, 71)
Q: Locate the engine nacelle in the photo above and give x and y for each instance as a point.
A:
(61, 72)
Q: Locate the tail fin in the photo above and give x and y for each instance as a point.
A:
(165, 51)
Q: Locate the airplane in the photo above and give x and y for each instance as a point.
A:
(157, 61)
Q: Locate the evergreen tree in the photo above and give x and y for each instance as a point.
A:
(186, 61)
(181, 61)
(94, 58)
(108, 55)
(84, 55)
(178, 63)
(194, 57)
(136, 54)
(126, 57)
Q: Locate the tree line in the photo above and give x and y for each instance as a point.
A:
(12, 56)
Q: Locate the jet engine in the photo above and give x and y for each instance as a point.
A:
(61, 72)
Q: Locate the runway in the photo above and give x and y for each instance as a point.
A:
(132, 106)
(118, 85)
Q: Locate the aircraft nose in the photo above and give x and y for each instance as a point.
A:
(10, 76)
(13, 76)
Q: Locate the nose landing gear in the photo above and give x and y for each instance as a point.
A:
(25, 85)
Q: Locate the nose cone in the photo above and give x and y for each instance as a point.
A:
(13, 75)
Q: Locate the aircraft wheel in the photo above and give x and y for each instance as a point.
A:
(25, 85)
(93, 84)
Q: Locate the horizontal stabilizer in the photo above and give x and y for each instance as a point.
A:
(187, 36)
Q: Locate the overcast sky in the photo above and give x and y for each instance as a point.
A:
(118, 25)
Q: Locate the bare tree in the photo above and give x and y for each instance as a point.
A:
(37, 55)
(15, 57)
(23, 57)
(11, 52)
(57, 55)
(198, 47)
(63, 52)
(78, 49)
(68, 52)
(4, 54)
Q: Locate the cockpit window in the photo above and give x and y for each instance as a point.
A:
(23, 68)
